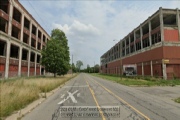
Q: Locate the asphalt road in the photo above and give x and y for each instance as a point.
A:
(90, 98)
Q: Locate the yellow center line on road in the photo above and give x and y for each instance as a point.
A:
(97, 104)
(123, 101)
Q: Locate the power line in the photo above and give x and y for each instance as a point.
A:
(45, 24)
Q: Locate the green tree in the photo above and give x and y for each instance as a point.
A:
(74, 68)
(55, 56)
(79, 63)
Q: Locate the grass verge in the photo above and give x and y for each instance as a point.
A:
(17, 93)
(177, 100)
(138, 81)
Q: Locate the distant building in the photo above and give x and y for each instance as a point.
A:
(21, 39)
(153, 47)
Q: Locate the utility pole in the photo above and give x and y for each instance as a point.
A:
(71, 65)
(94, 67)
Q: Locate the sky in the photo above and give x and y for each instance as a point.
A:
(92, 27)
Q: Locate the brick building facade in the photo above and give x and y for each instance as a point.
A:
(21, 39)
(154, 47)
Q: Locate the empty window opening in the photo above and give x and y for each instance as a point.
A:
(38, 59)
(26, 23)
(169, 20)
(32, 57)
(4, 5)
(146, 42)
(132, 38)
(155, 22)
(127, 41)
(24, 54)
(44, 38)
(3, 25)
(123, 44)
(137, 34)
(138, 45)
(14, 52)
(25, 38)
(39, 46)
(33, 42)
(156, 38)
(145, 29)
(2, 48)
(16, 15)
(123, 52)
(15, 32)
(132, 48)
(127, 51)
(39, 34)
(33, 29)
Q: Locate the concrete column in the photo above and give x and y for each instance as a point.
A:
(142, 69)
(36, 38)
(29, 62)
(178, 21)
(10, 18)
(30, 30)
(7, 59)
(35, 64)
(41, 40)
(164, 70)
(151, 69)
(22, 26)
(134, 42)
(161, 23)
(20, 60)
(150, 39)
(141, 34)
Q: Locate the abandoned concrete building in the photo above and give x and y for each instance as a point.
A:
(21, 39)
(153, 48)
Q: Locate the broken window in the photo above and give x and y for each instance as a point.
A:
(26, 23)
(4, 5)
(38, 59)
(145, 29)
(2, 48)
(16, 15)
(155, 38)
(33, 42)
(14, 53)
(15, 32)
(137, 34)
(155, 22)
(169, 20)
(132, 38)
(138, 45)
(25, 38)
(132, 48)
(3, 25)
(44, 38)
(39, 46)
(127, 51)
(24, 54)
(127, 41)
(146, 42)
(123, 52)
(39, 34)
(33, 29)
(32, 57)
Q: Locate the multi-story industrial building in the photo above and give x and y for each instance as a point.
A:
(153, 47)
(21, 39)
